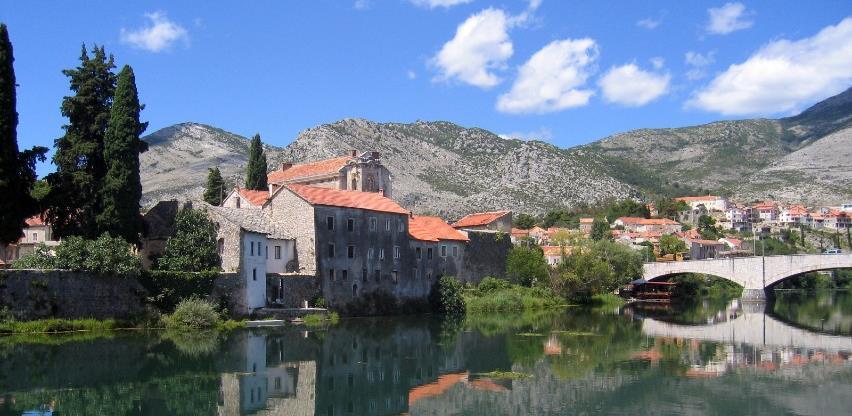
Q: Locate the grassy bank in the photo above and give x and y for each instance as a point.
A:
(507, 297)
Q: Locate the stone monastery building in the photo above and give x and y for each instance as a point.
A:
(329, 228)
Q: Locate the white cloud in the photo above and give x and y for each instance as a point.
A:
(480, 47)
(362, 4)
(552, 79)
(728, 18)
(658, 62)
(783, 75)
(649, 23)
(697, 63)
(631, 86)
(481, 44)
(159, 35)
(431, 4)
(412, 75)
(543, 134)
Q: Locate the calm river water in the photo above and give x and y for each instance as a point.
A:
(717, 358)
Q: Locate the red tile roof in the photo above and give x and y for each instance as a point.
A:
(304, 170)
(479, 218)
(254, 197)
(371, 201)
(35, 220)
(432, 229)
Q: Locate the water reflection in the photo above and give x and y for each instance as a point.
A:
(717, 358)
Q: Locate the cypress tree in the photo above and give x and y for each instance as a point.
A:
(214, 191)
(17, 169)
(122, 187)
(75, 196)
(256, 168)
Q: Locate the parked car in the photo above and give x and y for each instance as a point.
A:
(832, 251)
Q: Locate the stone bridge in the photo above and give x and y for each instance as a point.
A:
(752, 327)
(754, 274)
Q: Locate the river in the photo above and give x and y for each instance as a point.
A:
(793, 356)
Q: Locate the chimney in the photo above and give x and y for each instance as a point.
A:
(286, 165)
(354, 153)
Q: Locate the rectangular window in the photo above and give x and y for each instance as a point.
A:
(350, 225)
(395, 275)
(254, 274)
(396, 252)
(429, 253)
(330, 275)
(455, 251)
(252, 248)
(331, 250)
(443, 251)
(418, 253)
(378, 275)
(381, 254)
(373, 223)
(344, 274)
(329, 222)
(277, 252)
(350, 252)
(387, 224)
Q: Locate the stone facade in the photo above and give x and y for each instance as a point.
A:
(39, 294)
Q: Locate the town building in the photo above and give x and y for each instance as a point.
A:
(710, 202)
(488, 221)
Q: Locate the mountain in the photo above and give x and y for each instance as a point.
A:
(437, 167)
(804, 158)
(441, 168)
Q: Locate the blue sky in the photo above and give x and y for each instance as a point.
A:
(566, 72)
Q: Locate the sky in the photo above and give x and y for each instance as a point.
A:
(564, 72)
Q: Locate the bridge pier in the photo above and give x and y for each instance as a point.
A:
(754, 295)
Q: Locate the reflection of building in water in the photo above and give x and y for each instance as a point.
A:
(280, 388)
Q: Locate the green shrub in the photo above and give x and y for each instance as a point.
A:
(446, 296)
(193, 314)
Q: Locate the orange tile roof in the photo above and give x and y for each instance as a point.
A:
(254, 197)
(479, 218)
(304, 170)
(432, 229)
(437, 388)
(371, 201)
(35, 220)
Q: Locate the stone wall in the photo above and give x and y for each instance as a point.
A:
(485, 256)
(37, 294)
(290, 290)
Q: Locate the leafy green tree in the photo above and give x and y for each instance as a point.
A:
(17, 169)
(600, 230)
(446, 296)
(256, 169)
(524, 221)
(670, 244)
(122, 186)
(214, 190)
(707, 228)
(75, 197)
(193, 247)
(526, 265)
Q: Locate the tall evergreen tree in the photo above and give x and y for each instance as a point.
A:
(17, 169)
(256, 168)
(75, 195)
(122, 187)
(214, 191)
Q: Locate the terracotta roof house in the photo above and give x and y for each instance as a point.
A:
(492, 221)
(364, 172)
